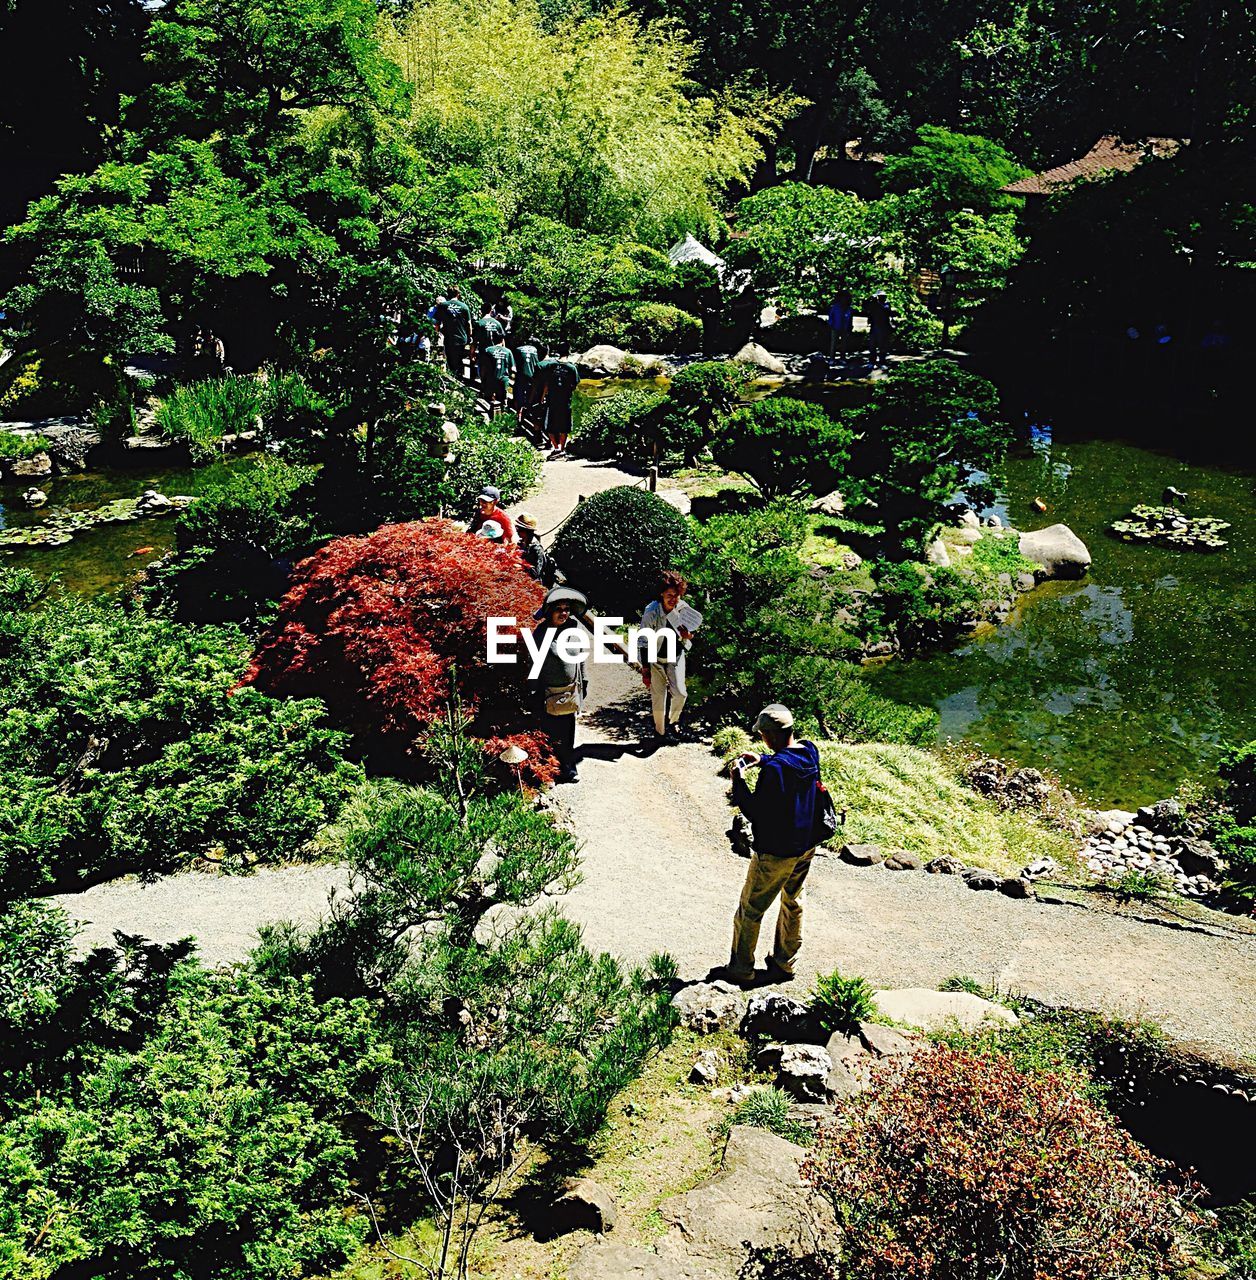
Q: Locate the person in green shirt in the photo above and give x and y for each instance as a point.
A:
(488, 330)
(527, 357)
(554, 385)
(453, 319)
(497, 367)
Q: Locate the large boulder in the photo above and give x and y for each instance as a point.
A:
(613, 1260)
(761, 358)
(861, 855)
(37, 467)
(802, 1070)
(940, 1010)
(1057, 550)
(936, 554)
(831, 504)
(772, 1015)
(705, 1007)
(585, 1205)
(756, 1198)
(69, 440)
(602, 361)
(1198, 858)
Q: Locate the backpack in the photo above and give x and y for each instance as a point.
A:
(824, 823)
(564, 377)
(546, 567)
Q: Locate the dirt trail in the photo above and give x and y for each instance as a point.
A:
(659, 875)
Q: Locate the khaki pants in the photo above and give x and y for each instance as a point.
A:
(665, 681)
(766, 877)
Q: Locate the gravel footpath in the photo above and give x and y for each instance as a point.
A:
(563, 483)
(660, 876)
(221, 912)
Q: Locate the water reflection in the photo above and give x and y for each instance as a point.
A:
(1126, 682)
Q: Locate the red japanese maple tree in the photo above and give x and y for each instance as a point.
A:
(380, 627)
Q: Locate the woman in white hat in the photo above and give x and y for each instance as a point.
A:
(561, 685)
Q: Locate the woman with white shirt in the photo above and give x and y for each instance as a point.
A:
(666, 680)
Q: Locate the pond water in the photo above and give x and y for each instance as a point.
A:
(1128, 681)
(104, 557)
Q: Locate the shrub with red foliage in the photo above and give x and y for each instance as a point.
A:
(376, 627)
(960, 1167)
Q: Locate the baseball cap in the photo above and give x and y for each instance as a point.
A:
(776, 717)
(489, 494)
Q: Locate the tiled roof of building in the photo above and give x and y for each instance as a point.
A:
(1108, 155)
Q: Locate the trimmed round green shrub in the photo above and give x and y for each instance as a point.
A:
(618, 543)
(649, 326)
(489, 455)
(612, 426)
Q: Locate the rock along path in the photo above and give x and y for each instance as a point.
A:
(659, 875)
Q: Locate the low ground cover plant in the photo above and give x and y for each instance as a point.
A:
(17, 448)
(964, 1165)
(841, 1002)
(125, 752)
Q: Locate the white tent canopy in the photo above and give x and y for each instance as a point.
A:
(691, 250)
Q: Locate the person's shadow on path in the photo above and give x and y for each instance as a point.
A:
(608, 750)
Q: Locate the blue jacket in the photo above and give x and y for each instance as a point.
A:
(782, 806)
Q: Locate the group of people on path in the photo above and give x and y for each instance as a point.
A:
(514, 371)
(561, 685)
(841, 321)
(493, 522)
(783, 807)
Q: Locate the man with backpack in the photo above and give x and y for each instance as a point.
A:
(555, 385)
(785, 809)
(453, 322)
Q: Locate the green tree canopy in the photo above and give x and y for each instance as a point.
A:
(590, 120)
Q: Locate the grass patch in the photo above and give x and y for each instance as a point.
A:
(16, 448)
(827, 541)
(768, 1109)
(902, 797)
(999, 552)
(1108, 1060)
(709, 481)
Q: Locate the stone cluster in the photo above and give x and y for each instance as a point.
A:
(814, 1066)
(1021, 886)
(62, 525)
(1170, 527)
(1154, 841)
